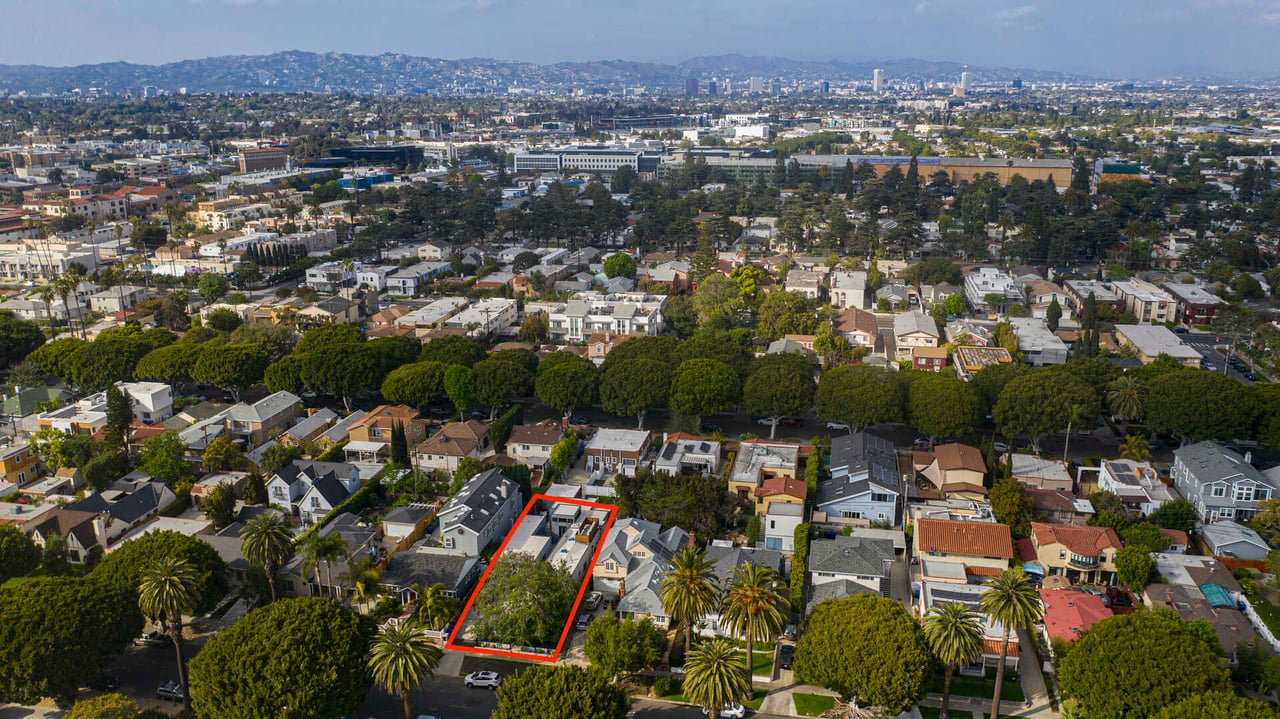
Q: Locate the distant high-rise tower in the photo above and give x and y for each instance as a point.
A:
(826, 87)
(691, 87)
(1017, 83)
(713, 88)
(775, 87)
(966, 81)
(757, 84)
(877, 80)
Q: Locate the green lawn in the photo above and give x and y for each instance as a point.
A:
(762, 664)
(962, 686)
(812, 705)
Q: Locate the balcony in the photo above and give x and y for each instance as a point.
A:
(1087, 564)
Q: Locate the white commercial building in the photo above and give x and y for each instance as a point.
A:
(486, 317)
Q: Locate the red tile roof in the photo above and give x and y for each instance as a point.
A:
(1068, 612)
(978, 539)
(1083, 541)
(782, 485)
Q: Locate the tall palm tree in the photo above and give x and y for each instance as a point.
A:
(954, 634)
(1135, 447)
(689, 590)
(266, 542)
(46, 294)
(1012, 600)
(712, 675)
(1125, 397)
(363, 577)
(752, 606)
(1076, 416)
(169, 588)
(401, 658)
(311, 550)
(329, 550)
(433, 608)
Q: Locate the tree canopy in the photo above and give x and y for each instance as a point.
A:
(418, 383)
(561, 692)
(859, 395)
(623, 645)
(1040, 403)
(123, 567)
(524, 602)
(566, 381)
(1224, 408)
(942, 405)
(1217, 705)
(633, 386)
(704, 386)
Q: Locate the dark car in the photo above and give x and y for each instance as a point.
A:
(578, 420)
(709, 427)
(792, 421)
(1251, 376)
(785, 654)
(104, 683)
(440, 411)
(1180, 330)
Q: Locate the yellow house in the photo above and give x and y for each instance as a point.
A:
(759, 461)
(779, 490)
(20, 464)
(1085, 555)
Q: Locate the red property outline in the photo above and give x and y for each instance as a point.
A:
(564, 633)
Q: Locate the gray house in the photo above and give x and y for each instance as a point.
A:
(480, 513)
(1219, 482)
(1229, 539)
(865, 483)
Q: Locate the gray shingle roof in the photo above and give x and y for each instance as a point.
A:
(851, 555)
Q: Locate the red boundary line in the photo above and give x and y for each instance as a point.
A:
(564, 633)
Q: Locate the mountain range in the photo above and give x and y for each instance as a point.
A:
(298, 71)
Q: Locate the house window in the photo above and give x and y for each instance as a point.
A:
(846, 514)
(1227, 513)
(1243, 493)
(1062, 554)
(277, 492)
(1219, 491)
(315, 502)
(1261, 493)
(879, 497)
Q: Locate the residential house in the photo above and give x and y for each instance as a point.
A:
(1226, 538)
(1039, 346)
(630, 545)
(858, 326)
(1040, 472)
(600, 344)
(82, 531)
(292, 482)
(255, 423)
(329, 311)
(1219, 482)
(759, 460)
(480, 513)
(725, 560)
(301, 434)
(117, 299)
(984, 282)
(1196, 305)
(861, 560)
(404, 522)
(530, 444)
(928, 359)
(972, 359)
(780, 490)
(1198, 587)
(204, 486)
(425, 566)
(933, 593)
(1059, 506)
(915, 329)
(864, 486)
(1148, 342)
(359, 540)
(1137, 484)
(951, 550)
(326, 492)
(682, 453)
(1078, 292)
(339, 432)
(127, 503)
(617, 451)
(848, 289)
(1083, 554)
(435, 251)
(151, 402)
(805, 283)
(780, 526)
(454, 442)
(1041, 294)
(1069, 612)
(588, 313)
(952, 467)
(369, 438)
(19, 464)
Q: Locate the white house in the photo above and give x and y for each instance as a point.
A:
(849, 289)
(780, 526)
(435, 251)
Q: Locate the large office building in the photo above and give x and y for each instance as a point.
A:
(877, 80)
(691, 87)
(401, 155)
(259, 159)
(748, 167)
(597, 159)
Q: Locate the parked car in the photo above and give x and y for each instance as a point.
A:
(593, 601)
(578, 419)
(1000, 447)
(151, 639)
(170, 691)
(837, 425)
(1251, 376)
(482, 680)
(104, 683)
(709, 427)
(1180, 330)
(786, 653)
(765, 421)
(584, 620)
(1209, 366)
(730, 711)
(792, 421)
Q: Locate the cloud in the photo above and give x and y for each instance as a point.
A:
(1021, 12)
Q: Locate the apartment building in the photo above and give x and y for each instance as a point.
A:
(1145, 301)
(985, 281)
(623, 313)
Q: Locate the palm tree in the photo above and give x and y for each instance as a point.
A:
(752, 606)
(433, 608)
(363, 576)
(1125, 397)
(401, 658)
(317, 550)
(689, 589)
(1076, 415)
(1135, 447)
(330, 549)
(169, 587)
(712, 677)
(266, 542)
(46, 295)
(1012, 600)
(954, 634)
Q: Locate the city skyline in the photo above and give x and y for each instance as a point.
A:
(1089, 37)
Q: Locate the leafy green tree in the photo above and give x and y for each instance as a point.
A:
(19, 556)
(623, 646)
(277, 456)
(212, 286)
(619, 264)
(125, 566)
(254, 489)
(704, 386)
(1134, 567)
(1216, 705)
(989, 382)
(452, 350)
(18, 338)
(1176, 514)
(713, 677)
(460, 386)
(941, 405)
(731, 348)
(284, 375)
(953, 305)
(223, 320)
(58, 631)
(1012, 506)
(633, 386)
(402, 658)
(867, 647)
(54, 356)
(416, 384)
(1040, 403)
(566, 382)
(163, 457)
(1126, 651)
(230, 367)
(106, 706)
(170, 587)
(561, 692)
(954, 634)
(1053, 315)
(1126, 396)
(267, 542)
(778, 392)
(753, 607)
(784, 313)
(220, 506)
(276, 341)
(221, 454)
(348, 372)
(1012, 601)
(105, 361)
(1144, 536)
(306, 656)
(119, 417)
(689, 590)
(524, 602)
(499, 383)
(564, 452)
(1224, 408)
(859, 395)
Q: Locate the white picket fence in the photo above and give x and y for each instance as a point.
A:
(1259, 625)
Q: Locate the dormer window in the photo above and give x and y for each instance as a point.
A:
(1218, 491)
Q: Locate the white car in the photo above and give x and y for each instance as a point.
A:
(729, 711)
(838, 425)
(765, 421)
(482, 680)
(1000, 447)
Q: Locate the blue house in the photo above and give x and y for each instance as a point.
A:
(865, 487)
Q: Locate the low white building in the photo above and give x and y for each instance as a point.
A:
(587, 313)
(848, 289)
(485, 318)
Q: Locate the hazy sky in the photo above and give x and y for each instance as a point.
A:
(1115, 38)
